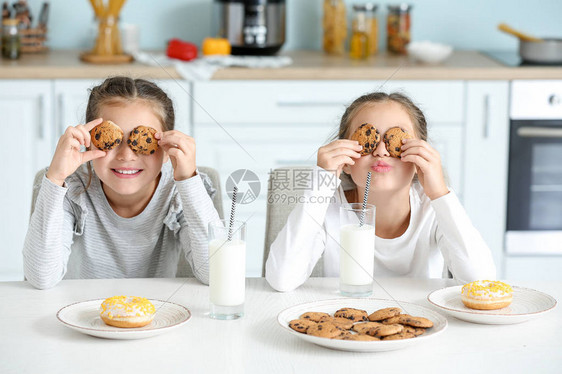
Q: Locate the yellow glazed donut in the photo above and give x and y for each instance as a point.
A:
(127, 311)
(486, 295)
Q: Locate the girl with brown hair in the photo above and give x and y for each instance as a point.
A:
(421, 228)
(134, 214)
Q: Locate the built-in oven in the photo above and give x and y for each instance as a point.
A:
(534, 221)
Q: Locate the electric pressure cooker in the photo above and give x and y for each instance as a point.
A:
(253, 27)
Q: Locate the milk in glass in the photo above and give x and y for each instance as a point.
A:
(227, 272)
(357, 249)
(227, 269)
(357, 253)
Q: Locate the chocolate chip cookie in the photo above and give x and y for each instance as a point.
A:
(106, 136)
(142, 140)
(385, 330)
(301, 325)
(364, 326)
(353, 314)
(385, 313)
(314, 316)
(324, 330)
(415, 321)
(393, 139)
(368, 137)
(342, 323)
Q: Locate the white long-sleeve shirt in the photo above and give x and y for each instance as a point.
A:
(439, 237)
(76, 234)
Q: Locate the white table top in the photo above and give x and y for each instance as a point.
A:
(32, 340)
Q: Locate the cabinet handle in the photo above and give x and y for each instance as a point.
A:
(60, 116)
(539, 132)
(486, 122)
(300, 103)
(41, 122)
(303, 163)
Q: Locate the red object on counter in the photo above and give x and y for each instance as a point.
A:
(181, 50)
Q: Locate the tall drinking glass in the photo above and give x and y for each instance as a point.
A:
(227, 269)
(357, 249)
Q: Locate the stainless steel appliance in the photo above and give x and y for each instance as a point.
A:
(534, 222)
(253, 27)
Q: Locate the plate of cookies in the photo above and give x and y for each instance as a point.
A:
(492, 302)
(123, 317)
(362, 325)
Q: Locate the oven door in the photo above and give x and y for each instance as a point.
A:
(534, 221)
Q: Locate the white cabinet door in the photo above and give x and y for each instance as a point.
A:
(180, 93)
(485, 166)
(260, 149)
(25, 108)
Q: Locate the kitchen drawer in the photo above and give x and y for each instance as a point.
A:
(72, 99)
(272, 102)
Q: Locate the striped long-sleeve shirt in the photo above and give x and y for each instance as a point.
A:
(76, 234)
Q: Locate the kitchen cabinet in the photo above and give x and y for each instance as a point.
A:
(26, 116)
(486, 162)
(267, 124)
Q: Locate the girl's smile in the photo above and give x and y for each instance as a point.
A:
(126, 172)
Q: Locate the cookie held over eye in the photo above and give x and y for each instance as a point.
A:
(106, 136)
(142, 140)
(368, 137)
(393, 140)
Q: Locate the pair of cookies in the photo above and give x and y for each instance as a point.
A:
(369, 138)
(107, 135)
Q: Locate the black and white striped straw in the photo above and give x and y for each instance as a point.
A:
(232, 213)
(365, 197)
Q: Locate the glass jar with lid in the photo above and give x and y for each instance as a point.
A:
(359, 43)
(365, 21)
(398, 28)
(335, 27)
(11, 44)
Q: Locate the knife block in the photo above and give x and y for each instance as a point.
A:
(33, 40)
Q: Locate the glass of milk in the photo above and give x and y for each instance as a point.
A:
(227, 269)
(357, 249)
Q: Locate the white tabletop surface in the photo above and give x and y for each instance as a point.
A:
(32, 340)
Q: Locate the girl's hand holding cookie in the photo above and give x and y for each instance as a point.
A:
(181, 149)
(68, 156)
(428, 166)
(335, 155)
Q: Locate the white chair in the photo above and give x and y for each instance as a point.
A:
(282, 190)
(184, 270)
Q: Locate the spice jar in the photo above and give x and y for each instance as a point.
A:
(359, 44)
(335, 27)
(11, 45)
(364, 24)
(398, 28)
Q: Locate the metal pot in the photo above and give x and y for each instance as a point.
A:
(536, 50)
(547, 51)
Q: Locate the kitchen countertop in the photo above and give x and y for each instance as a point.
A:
(34, 341)
(307, 65)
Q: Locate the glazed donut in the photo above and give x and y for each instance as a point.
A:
(127, 311)
(486, 295)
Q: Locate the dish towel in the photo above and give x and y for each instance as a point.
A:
(203, 68)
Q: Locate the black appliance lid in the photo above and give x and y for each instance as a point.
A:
(252, 2)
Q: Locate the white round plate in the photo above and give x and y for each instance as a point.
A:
(369, 305)
(527, 304)
(84, 317)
